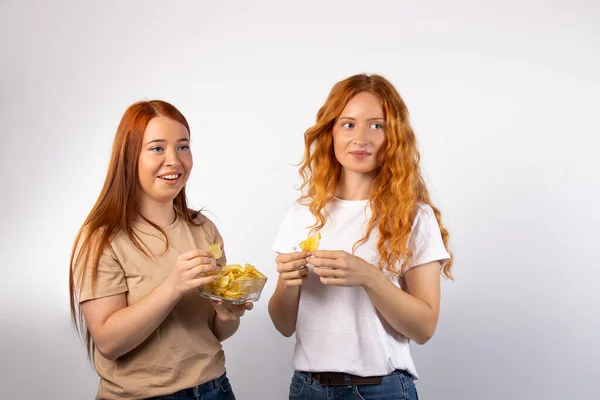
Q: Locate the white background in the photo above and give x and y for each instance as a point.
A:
(503, 97)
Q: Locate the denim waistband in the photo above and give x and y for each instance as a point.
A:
(309, 375)
(196, 390)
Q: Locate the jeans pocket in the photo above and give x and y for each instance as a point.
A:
(409, 389)
(297, 385)
(224, 384)
(357, 394)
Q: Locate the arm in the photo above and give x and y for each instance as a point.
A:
(283, 305)
(117, 328)
(225, 329)
(227, 318)
(413, 313)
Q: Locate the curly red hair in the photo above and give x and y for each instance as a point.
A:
(398, 186)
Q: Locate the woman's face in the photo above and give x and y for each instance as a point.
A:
(165, 160)
(359, 134)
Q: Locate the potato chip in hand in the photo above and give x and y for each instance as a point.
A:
(312, 243)
(215, 250)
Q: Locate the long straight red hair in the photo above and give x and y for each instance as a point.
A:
(398, 186)
(117, 207)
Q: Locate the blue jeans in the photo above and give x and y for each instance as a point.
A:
(398, 385)
(217, 389)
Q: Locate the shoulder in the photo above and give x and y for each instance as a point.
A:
(93, 238)
(200, 219)
(91, 251)
(204, 223)
(425, 222)
(424, 210)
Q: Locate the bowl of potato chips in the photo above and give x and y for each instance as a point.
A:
(235, 284)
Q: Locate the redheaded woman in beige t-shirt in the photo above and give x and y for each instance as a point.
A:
(137, 262)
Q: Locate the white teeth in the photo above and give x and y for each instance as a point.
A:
(170, 176)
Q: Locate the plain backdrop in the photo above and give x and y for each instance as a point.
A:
(503, 97)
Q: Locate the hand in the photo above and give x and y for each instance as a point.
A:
(339, 268)
(230, 312)
(188, 274)
(292, 268)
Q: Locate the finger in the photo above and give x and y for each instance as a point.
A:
(297, 263)
(291, 266)
(222, 309)
(202, 269)
(239, 311)
(228, 310)
(198, 282)
(330, 273)
(287, 257)
(332, 281)
(331, 254)
(188, 255)
(326, 262)
(194, 262)
(249, 306)
(232, 308)
(294, 274)
(296, 282)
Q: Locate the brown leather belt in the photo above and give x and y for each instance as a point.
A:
(339, 379)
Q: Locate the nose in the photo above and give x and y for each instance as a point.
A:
(172, 158)
(361, 135)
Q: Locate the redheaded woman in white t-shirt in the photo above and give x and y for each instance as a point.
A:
(374, 283)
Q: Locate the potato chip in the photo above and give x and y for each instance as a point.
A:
(236, 282)
(222, 281)
(253, 272)
(233, 268)
(215, 250)
(312, 243)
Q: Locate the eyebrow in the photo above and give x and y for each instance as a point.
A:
(370, 119)
(164, 141)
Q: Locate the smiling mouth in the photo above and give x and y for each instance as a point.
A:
(170, 177)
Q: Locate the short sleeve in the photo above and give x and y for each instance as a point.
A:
(109, 280)
(286, 240)
(425, 242)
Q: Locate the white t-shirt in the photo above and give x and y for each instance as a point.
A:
(338, 329)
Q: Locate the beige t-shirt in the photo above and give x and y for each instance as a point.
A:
(183, 351)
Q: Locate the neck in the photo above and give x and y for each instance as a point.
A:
(162, 214)
(354, 185)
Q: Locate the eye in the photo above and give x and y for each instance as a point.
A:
(376, 126)
(184, 147)
(156, 149)
(348, 125)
